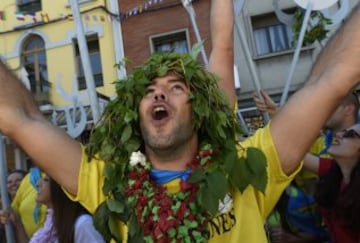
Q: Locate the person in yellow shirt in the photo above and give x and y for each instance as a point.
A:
(165, 163)
(296, 215)
(24, 204)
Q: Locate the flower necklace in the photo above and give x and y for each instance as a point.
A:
(163, 216)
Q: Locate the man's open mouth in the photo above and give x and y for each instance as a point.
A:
(159, 113)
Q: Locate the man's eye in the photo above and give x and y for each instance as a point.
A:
(149, 91)
(178, 87)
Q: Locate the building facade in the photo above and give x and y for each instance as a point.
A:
(264, 43)
(38, 41)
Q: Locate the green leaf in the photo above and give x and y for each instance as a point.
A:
(172, 233)
(106, 151)
(230, 158)
(240, 175)
(256, 160)
(101, 217)
(196, 49)
(132, 145)
(132, 225)
(256, 164)
(162, 71)
(126, 134)
(208, 201)
(198, 236)
(183, 230)
(155, 210)
(115, 206)
(259, 182)
(218, 184)
(196, 176)
(114, 228)
(109, 170)
(129, 116)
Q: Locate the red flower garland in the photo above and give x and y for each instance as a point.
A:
(165, 217)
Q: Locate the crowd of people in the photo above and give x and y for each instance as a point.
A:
(165, 163)
(312, 208)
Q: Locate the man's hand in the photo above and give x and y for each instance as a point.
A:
(265, 104)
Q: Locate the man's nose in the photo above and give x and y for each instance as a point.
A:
(160, 94)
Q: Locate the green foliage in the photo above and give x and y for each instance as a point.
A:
(314, 33)
(118, 135)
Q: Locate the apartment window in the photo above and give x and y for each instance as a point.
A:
(95, 61)
(34, 60)
(170, 42)
(29, 6)
(270, 35)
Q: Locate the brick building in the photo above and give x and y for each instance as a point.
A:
(164, 25)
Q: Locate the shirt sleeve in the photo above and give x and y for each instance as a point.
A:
(90, 183)
(325, 166)
(277, 180)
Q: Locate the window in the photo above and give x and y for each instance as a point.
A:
(95, 61)
(34, 60)
(270, 35)
(29, 6)
(170, 42)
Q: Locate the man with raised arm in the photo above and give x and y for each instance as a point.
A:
(164, 164)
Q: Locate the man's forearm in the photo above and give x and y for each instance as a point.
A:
(222, 37)
(15, 99)
(334, 43)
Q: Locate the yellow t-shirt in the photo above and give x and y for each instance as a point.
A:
(243, 221)
(24, 204)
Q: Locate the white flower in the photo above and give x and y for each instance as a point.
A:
(226, 205)
(137, 158)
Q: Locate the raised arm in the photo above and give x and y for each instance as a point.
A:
(49, 146)
(221, 61)
(311, 162)
(297, 125)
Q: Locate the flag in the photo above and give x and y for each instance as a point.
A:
(87, 18)
(2, 15)
(45, 17)
(20, 16)
(95, 18)
(102, 18)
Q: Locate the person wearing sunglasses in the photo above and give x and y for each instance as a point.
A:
(296, 215)
(337, 192)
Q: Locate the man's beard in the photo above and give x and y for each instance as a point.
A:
(159, 142)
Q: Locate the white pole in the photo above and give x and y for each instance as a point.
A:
(250, 63)
(85, 60)
(189, 8)
(18, 158)
(4, 193)
(117, 39)
(296, 54)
